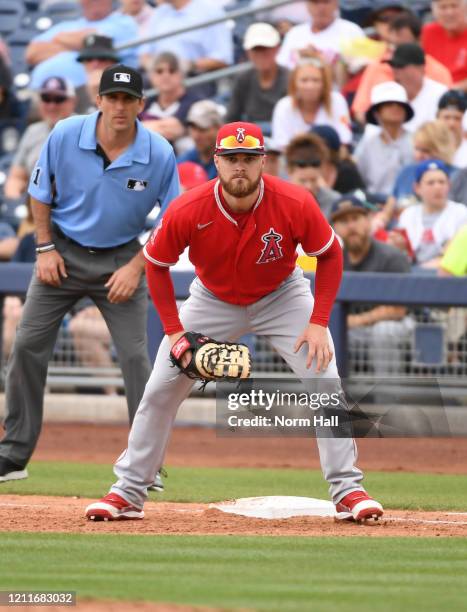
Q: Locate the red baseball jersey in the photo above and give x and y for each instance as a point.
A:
(241, 265)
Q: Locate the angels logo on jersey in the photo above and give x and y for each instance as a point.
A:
(272, 249)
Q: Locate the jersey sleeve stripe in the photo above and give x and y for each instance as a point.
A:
(155, 261)
(325, 247)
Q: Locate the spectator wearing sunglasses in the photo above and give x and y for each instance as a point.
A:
(56, 101)
(306, 156)
(167, 111)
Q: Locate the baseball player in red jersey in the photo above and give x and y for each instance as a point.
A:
(242, 231)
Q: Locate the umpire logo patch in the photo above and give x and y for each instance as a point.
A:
(122, 77)
(136, 184)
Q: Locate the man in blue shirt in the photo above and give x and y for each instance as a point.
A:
(97, 178)
(54, 52)
(203, 49)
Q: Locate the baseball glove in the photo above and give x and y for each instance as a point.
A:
(210, 359)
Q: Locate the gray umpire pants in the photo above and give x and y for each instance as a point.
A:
(37, 331)
(281, 317)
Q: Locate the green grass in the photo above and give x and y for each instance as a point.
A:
(394, 489)
(262, 573)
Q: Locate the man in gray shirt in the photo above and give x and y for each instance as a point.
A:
(56, 101)
(256, 91)
(380, 332)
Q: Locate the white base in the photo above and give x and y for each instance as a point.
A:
(277, 507)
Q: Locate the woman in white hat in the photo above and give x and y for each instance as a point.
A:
(381, 155)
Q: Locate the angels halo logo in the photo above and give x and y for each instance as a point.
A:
(272, 249)
(240, 134)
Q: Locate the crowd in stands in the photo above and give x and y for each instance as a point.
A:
(364, 104)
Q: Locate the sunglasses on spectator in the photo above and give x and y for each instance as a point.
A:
(306, 163)
(162, 70)
(311, 61)
(51, 99)
(96, 58)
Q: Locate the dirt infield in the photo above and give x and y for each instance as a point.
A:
(200, 447)
(66, 515)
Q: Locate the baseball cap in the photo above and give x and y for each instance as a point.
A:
(191, 175)
(453, 98)
(205, 114)
(261, 35)
(390, 91)
(240, 137)
(121, 78)
(57, 85)
(270, 146)
(350, 203)
(430, 164)
(329, 135)
(380, 7)
(96, 46)
(407, 54)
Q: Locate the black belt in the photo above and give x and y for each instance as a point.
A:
(90, 249)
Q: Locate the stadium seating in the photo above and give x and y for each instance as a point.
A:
(11, 14)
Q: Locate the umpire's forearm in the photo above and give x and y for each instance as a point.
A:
(41, 216)
(138, 261)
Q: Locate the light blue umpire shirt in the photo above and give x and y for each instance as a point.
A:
(102, 207)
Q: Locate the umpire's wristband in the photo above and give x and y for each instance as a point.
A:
(45, 247)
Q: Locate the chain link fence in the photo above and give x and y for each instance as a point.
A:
(426, 342)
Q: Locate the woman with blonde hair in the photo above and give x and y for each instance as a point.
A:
(430, 141)
(311, 101)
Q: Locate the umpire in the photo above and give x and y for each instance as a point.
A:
(97, 178)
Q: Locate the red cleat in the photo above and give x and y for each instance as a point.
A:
(112, 507)
(358, 506)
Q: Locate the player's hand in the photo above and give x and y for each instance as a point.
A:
(50, 268)
(123, 283)
(317, 339)
(172, 340)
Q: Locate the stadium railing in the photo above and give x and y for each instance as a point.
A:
(436, 346)
(229, 16)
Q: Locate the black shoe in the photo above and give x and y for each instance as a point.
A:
(11, 471)
(158, 485)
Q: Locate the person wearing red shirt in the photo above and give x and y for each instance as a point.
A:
(446, 38)
(242, 231)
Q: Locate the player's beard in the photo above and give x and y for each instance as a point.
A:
(240, 189)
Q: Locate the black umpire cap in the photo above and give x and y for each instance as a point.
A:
(121, 78)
